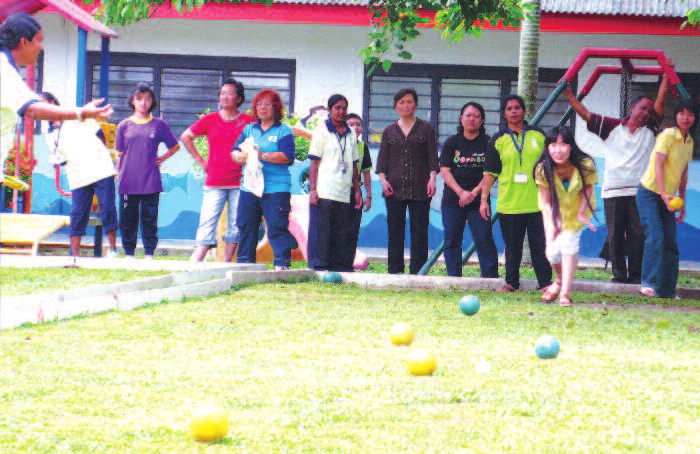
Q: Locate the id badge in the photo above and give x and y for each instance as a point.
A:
(520, 178)
(343, 166)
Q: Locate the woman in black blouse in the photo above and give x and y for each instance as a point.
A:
(407, 165)
(462, 168)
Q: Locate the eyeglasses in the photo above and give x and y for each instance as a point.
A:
(263, 104)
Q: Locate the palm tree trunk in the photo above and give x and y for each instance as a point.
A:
(527, 73)
(529, 56)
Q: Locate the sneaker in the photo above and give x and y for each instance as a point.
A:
(113, 255)
(149, 257)
(281, 268)
(507, 289)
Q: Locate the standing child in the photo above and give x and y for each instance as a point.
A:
(364, 167)
(140, 185)
(565, 176)
(667, 174)
(90, 172)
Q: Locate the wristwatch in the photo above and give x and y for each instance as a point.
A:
(264, 158)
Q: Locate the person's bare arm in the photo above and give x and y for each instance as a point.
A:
(579, 108)
(313, 178)
(45, 111)
(486, 184)
(681, 193)
(187, 139)
(465, 197)
(161, 159)
(663, 91)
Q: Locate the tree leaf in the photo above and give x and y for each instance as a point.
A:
(386, 65)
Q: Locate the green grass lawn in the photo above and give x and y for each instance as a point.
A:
(22, 281)
(308, 367)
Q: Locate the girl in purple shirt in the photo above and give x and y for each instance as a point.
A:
(138, 138)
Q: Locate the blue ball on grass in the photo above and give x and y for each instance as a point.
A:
(469, 305)
(547, 347)
(332, 277)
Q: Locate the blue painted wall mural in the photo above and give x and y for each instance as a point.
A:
(182, 199)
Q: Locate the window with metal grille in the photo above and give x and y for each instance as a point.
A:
(444, 89)
(186, 86)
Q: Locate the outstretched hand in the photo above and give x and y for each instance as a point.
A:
(94, 110)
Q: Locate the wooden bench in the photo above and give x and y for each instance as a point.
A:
(24, 232)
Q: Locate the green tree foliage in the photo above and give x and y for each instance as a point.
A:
(123, 12)
(693, 17)
(395, 23)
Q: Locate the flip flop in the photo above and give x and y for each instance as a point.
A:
(549, 295)
(565, 302)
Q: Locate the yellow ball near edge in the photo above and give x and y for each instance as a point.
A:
(676, 204)
(401, 334)
(209, 423)
(422, 362)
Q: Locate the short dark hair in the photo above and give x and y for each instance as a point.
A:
(477, 106)
(142, 87)
(16, 27)
(403, 92)
(690, 105)
(240, 90)
(353, 115)
(335, 99)
(509, 98)
(49, 97)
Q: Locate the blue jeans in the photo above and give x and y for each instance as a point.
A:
(82, 202)
(453, 220)
(660, 262)
(275, 206)
(212, 206)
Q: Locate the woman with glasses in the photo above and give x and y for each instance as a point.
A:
(274, 144)
(462, 168)
(223, 175)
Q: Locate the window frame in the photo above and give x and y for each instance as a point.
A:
(225, 65)
(508, 76)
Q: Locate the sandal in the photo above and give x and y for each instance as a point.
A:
(551, 293)
(565, 301)
(647, 291)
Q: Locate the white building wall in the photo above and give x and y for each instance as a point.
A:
(326, 56)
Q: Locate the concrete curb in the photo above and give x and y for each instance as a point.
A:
(38, 308)
(387, 281)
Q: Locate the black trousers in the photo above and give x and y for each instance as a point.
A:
(513, 228)
(135, 209)
(353, 233)
(419, 218)
(328, 226)
(625, 237)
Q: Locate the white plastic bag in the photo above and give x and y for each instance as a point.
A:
(253, 173)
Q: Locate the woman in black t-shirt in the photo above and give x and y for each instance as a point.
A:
(462, 168)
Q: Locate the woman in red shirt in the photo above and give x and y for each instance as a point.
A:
(223, 176)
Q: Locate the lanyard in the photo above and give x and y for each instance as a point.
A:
(515, 142)
(522, 144)
(342, 146)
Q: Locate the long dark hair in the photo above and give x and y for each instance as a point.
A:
(480, 108)
(576, 158)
